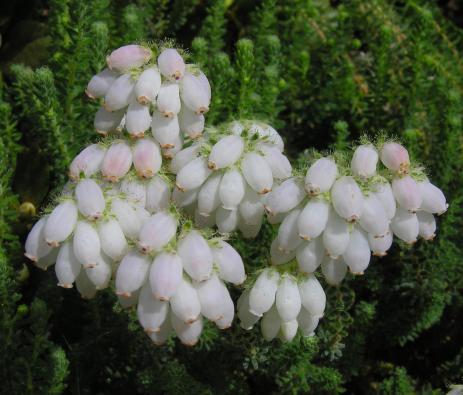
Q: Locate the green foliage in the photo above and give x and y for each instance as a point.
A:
(324, 73)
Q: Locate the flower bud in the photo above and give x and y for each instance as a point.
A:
(196, 92)
(183, 157)
(279, 257)
(320, 176)
(134, 190)
(67, 266)
(227, 220)
(405, 225)
(112, 239)
(84, 286)
(229, 262)
(175, 146)
(86, 244)
(383, 192)
(257, 172)
(185, 302)
(100, 83)
(128, 57)
(165, 330)
(36, 247)
(188, 333)
(279, 163)
(131, 273)
(204, 221)
(336, 235)
(287, 299)
(357, 254)
(270, 324)
(251, 208)
(309, 255)
(334, 270)
(212, 294)
(249, 231)
(137, 119)
(380, 245)
(184, 199)
(106, 121)
(127, 302)
(157, 195)
(262, 295)
(117, 161)
(347, 199)
(151, 312)
(374, 219)
(88, 161)
(288, 233)
(395, 157)
(147, 158)
(407, 193)
(171, 64)
(288, 330)
(313, 218)
(246, 317)
(285, 197)
(196, 256)
(165, 275)
(307, 323)
(231, 189)
(48, 260)
(267, 134)
(433, 199)
(157, 232)
(168, 100)
(427, 225)
(226, 152)
(191, 124)
(208, 196)
(126, 217)
(60, 223)
(364, 161)
(228, 312)
(90, 199)
(313, 296)
(120, 93)
(193, 174)
(148, 86)
(100, 275)
(165, 130)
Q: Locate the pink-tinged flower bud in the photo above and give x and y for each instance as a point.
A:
(407, 193)
(185, 302)
(117, 161)
(165, 130)
(232, 189)
(288, 233)
(60, 223)
(357, 254)
(168, 101)
(171, 64)
(157, 232)
(347, 199)
(100, 275)
(433, 199)
(147, 158)
(132, 273)
(188, 333)
(126, 217)
(313, 296)
(208, 196)
(278, 256)
(100, 83)
(395, 157)
(313, 218)
(86, 244)
(159, 338)
(120, 93)
(193, 174)
(165, 275)
(184, 199)
(157, 195)
(137, 119)
(151, 312)
(228, 312)
(288, 331)
(112, 239)
(309, 255)
(90, 199)
(196, 92)
(383, 192)
(307, 323)
(128, 57)
(374, 219)
(267, 134)
(183, 157)
(251, 207)
(427, 225)
(262, 295)
(288, 299)
(227, 220)
(231, 267)
(320, 176)
(191, 124)
(270, 324)
(279, 163)
(380, 245)
(67, 266)
(364, 161)
(226, 152)
(84, 286)
(106, 121)
(336, 235)
(196, 256)
(148, 85)
(285, 197)
(405, 225)
(257, 173)
(212, 294)
(246, 317)
(88, 161)
(334, 270)
(36, 247)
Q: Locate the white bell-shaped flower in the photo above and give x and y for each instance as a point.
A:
(126, 217)
(208, 196)
(168, 100)
(183, 157)
(226, 152)
(196, 256)
(107, 121)
(100, 83)
(185, 302)
(347, 198)
(188, 333)
(288, 233)
(86, 244)
(334, 270)
(147, 158)
(309, 255)
(307, 322)
(374, 218)
(288, 299)
(128, 57)
(395, 157)
(380, 245)
(407, 193)
(90, 199)
(132, 273)
(60, 223)
(100, 274)
(165, 130)
(313, 296)
(357, 254)
(117, 161)
(285, 196)
(120, 93)
(383, 192)
(165, 275)
(112, 239)
(427, 225)
(405, 225)
(229, 262)
(227, 220)
(336, 235)
(151, 312)
(257, 172)
(157, 231)
(433, 199)
(171, 64)
(88, 161)
(190, 123)
(313, 219)
(231, 190)
(270, 324)
(67, 266)
(148, 86)
(157, 195)
(278, 256)
(364, 161)
(137, 119)
(193, 174)
(36, 247)
(262, 295)
(196, 92)
(320, 176)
